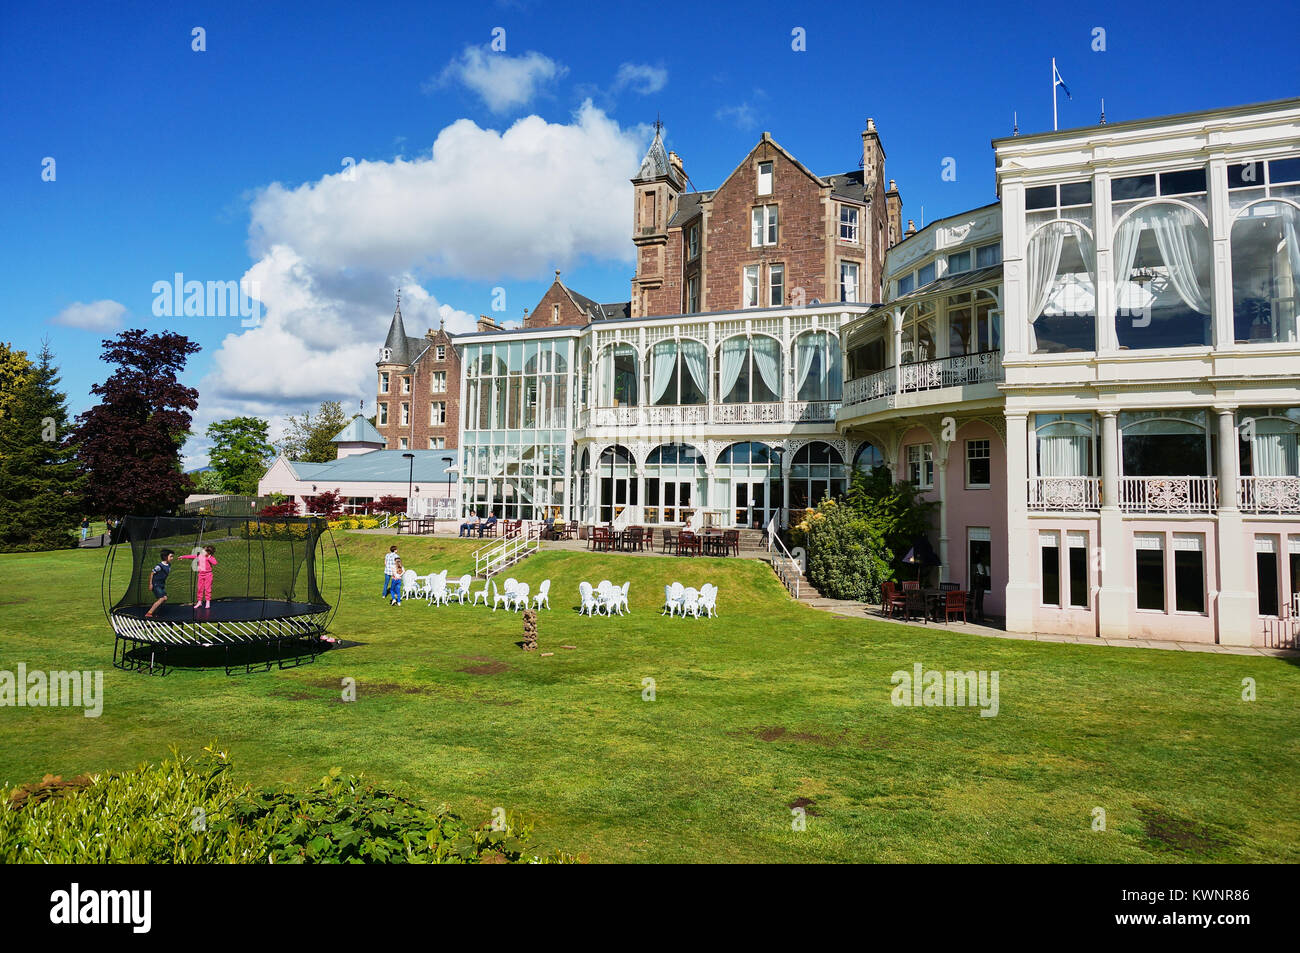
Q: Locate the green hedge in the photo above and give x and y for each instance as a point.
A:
(190, 810)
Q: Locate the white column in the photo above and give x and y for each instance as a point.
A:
(897, 320)
(1221, 257)
(639, 511)
(1109, 460)
(1113, 557)
(1103, 235)
(1015, 294)
(942, 450)
(1022, 592)
(1237, 604)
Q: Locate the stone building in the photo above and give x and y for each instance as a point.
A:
(417, 405)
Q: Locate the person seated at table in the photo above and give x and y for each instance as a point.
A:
(467, 528)
(487, 524)
(548, 528)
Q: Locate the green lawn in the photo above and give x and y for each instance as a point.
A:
(767, 706)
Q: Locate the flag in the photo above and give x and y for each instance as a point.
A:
(1056, 79)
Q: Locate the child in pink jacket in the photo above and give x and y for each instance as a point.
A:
(206, 560)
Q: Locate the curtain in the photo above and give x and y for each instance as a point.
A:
(831, 362)
(734, 351)
(1183, 247)
(1287, 321)
(1062, 455)
(1044, 260)
(767, 358)
(697, 364)
(1274, 454)
(804, 349)
(1088, 251)
(1126, 248)
(663, 360)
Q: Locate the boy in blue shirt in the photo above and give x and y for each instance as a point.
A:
(158, 581)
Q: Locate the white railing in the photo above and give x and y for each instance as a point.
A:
(1168, 494)
(1064, 493)
(785, 566)
(1269, 494)
(801, 410)
(748, 413)
(979, 368)
(861, 389)
(793, 411)
(503, 553)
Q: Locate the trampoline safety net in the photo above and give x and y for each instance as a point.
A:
(269, 559)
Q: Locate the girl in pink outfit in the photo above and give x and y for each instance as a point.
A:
(206, 560)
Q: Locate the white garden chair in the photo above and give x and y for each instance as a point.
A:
(518, 597)
(690, 602)
(410, 584)
(618, 598)
(672, 598)
(589, 600)
(462, 588)
(430, 583)
(709, 599)
(438, 594)
(502, 598)
(481, 594)
(543, 595)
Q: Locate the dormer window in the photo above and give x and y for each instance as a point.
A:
(385, 354)
(765, 178)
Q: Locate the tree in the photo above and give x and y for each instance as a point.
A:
(207, 482)
(129, 444)
(388, 504)
(14, 366)
(896, 510)
(284, 508)
(40, 501)
(328, 504)
(239, 454)
(308, 438)
(847, 556)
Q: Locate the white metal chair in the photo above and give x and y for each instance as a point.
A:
(672, 598)
(410, 584)
(502, 598)
(481, 594)
(543, 595)
(462, 588)
(690, 602)
(438, 594)
(588, 596)
(430, 583)
(620, 598)
(518, 597)
(709, 599)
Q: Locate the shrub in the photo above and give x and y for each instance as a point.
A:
(847, 556)
(190, 810)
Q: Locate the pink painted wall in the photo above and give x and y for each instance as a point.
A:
(971, 507)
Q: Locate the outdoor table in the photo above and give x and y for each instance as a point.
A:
(934, 603)
(712, 541)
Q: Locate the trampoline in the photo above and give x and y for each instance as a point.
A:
(268, 604)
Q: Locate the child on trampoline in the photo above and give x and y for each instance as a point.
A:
(158, 581)
(205, 561)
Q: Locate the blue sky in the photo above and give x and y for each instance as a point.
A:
(167, 159)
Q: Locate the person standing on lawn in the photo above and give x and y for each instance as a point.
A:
(390, 564)
(397, 581)
(85, 528)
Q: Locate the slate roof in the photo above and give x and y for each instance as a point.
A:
(688, 206)
(376, 466)
(850, 186)
(359, 430)
(655, 165)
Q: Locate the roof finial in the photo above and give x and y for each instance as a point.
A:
(1015, 123)
(658, 124)
(399, 299)
(557, 274)
(1103, 111)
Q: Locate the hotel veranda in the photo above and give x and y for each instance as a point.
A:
(1096, 377)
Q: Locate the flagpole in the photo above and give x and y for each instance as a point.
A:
(1054, 128)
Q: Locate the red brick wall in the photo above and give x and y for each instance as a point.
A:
(570, 314)
(422, 398)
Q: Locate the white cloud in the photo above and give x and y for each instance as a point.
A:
(641, 78)
(504, 82)
(482, 205)
(742, 116)
(103, 315)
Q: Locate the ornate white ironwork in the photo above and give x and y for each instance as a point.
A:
(862, 389)
(1269, 494)
(1168, 494)
(1064, 493)
(822, 410)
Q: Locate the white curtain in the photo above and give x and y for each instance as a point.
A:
(696, 359)
(1126, 249)
(804, 350)
(831, 362)
(1275, 454)
(663, 360)
(1062, 455)
(1286, 321)
(1184, 247)
(1044, 260)
(767, 358)
(733, 359)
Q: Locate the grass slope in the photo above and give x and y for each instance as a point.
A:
(768, 706)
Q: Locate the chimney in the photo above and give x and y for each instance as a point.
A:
(873, 157)
(487, 324)
(911, 229)
(894, 213)
(675, 161)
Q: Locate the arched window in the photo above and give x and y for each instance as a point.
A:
(616, 475)
(1266, 272)
(1165, 443)
(618, 377)
(1064, 445)
(749, 370)
(675, 483)
(1062, 289)
(868, 458)
(584, 493)
(1162, 278)
(817, 374)
(747, 483)
(816, 472)
(679, 373)
(973, 323)
(584, 379)
(1270, 442)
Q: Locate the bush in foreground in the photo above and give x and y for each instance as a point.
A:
(190, 810)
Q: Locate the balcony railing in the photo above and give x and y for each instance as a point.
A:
(961, 369)
(1269, 494)
(1064, 493)
(1168, 494)
(791, 411)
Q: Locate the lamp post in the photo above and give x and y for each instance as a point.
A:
(448, 467)
(410, 480)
